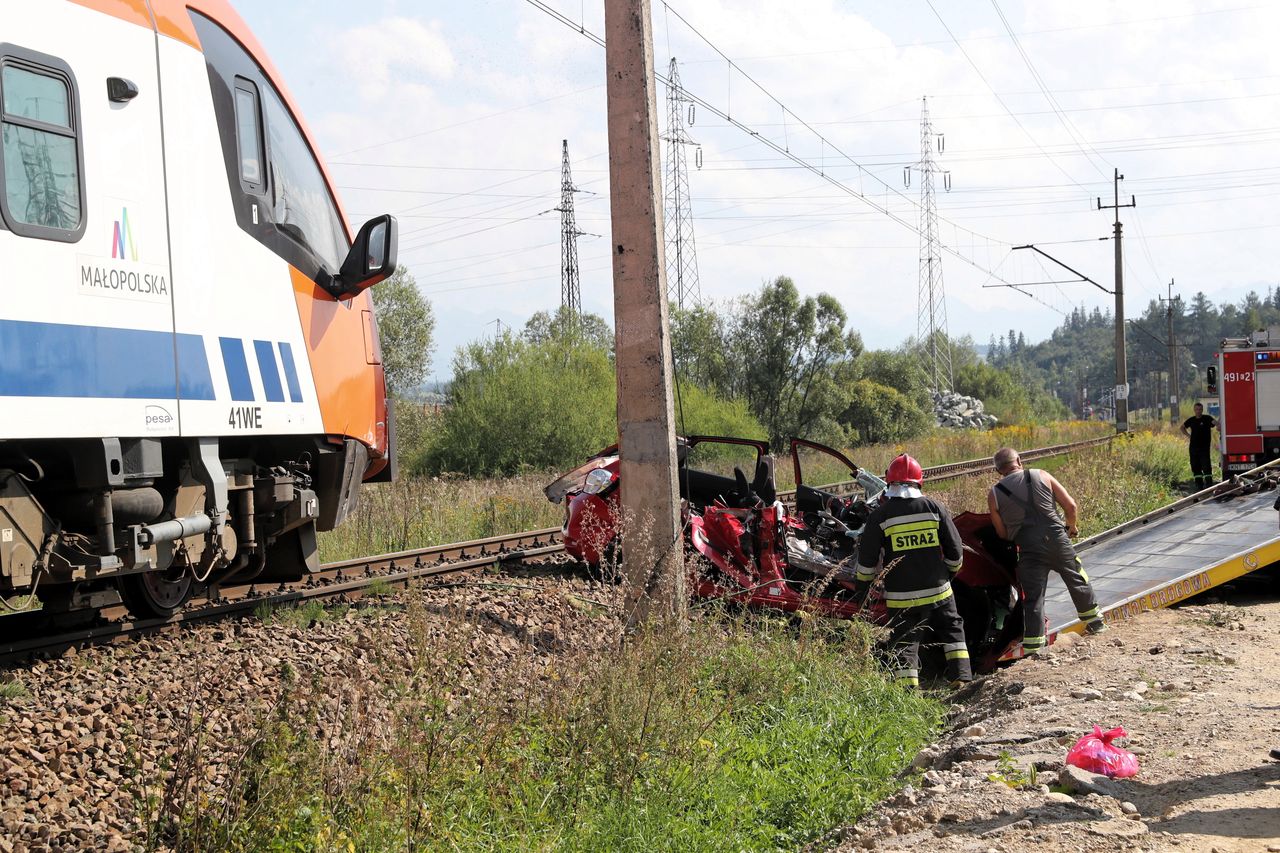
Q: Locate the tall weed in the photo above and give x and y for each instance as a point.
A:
(721, 736)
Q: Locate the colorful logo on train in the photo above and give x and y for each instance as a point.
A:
(122, 236)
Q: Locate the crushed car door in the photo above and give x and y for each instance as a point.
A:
(841, 478)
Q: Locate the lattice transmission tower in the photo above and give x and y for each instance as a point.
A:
(682, 254)
(570, 288)
(931, 319)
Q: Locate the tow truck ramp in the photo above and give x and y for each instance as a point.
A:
(1175, 552)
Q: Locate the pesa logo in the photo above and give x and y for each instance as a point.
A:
(157, 418)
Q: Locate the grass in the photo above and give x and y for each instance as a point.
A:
(419, 511)
(724, 736)
(1010, 773)
(379, 587)
(1111, 484)
(302, 615)
(13, 690)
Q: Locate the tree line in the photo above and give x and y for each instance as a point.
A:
(770, 364)
(1077, 362)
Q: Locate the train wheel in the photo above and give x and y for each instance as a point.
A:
(155, 595)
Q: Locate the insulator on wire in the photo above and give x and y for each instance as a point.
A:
(946, 181)
(692, 114)
(906, 176)
(697, 157)
(942, 142)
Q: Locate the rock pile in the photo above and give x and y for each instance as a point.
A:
(960, 412)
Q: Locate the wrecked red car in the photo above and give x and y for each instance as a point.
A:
(590, 491)
(746, 546)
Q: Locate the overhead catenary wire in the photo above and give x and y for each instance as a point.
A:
(1000, 100)
(1077, 27)
(1071, 129)
(1190, 195)
(783, 149)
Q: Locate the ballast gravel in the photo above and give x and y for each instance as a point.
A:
(86, 750)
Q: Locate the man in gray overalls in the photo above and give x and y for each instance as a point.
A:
(1022, 510)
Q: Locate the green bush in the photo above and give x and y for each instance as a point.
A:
(1008, 394)
(700, 412)
(879, 414)
(415, 425)
(516, 405)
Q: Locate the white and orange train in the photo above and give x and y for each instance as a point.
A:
(190, 376)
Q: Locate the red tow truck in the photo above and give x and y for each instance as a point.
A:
(1246, 378)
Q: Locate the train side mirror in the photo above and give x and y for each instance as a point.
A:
(372, 258)
(1211, 379)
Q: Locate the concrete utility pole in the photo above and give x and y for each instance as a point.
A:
(1122, 367)
(652, 557)
(1175, 409)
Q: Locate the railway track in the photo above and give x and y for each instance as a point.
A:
(347, 577)
(354, 577)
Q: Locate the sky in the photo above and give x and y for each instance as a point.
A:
(451, 115)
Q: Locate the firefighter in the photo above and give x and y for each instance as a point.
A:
(1198, 428)
(1022, 510)
(916, 540)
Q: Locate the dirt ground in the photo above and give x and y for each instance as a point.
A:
(1198, 690)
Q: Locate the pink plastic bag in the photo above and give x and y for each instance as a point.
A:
(1094, 753)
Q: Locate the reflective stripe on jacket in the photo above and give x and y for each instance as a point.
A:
(920, 535)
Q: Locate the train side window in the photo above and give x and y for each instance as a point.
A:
(282, 199)
(40, 146)
(249, 136)
(301, 204)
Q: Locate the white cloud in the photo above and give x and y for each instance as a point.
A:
(396, 51)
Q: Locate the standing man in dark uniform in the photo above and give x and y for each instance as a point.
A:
(1200, 426)
(1022, 510)
(917, 542)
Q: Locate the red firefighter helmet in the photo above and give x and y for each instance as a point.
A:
(904, 469)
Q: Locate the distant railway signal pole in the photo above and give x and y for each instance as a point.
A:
(1122, 367)
(652, 556)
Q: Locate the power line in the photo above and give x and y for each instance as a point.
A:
(999, 99)
(1027, 113)
(990, 37)
(486, 117)
(784, 149)
(1072, 130)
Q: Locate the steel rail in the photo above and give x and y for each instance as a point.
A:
(344, 577)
